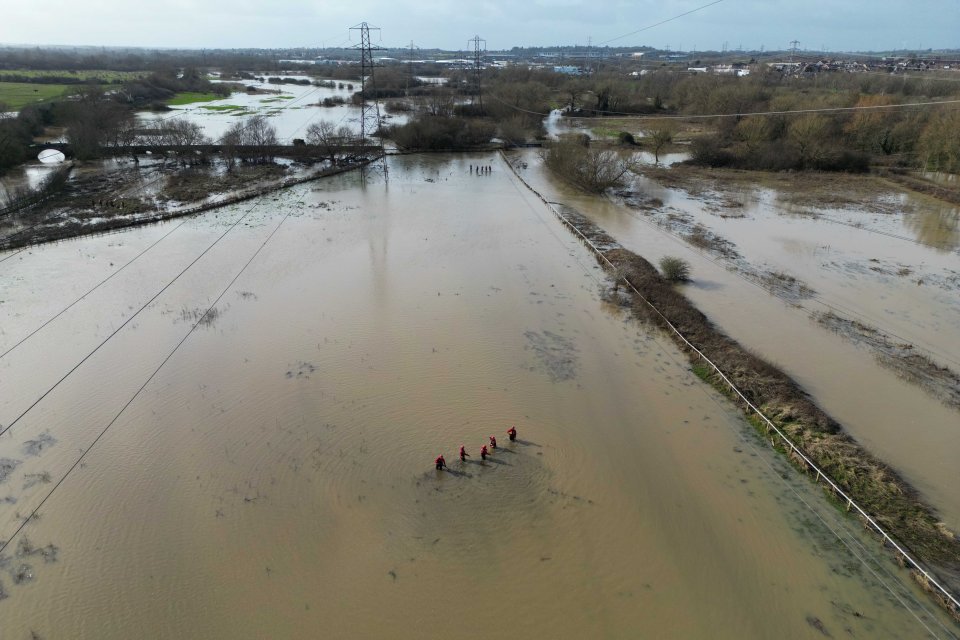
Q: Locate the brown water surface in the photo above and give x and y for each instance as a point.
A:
(275, 479)
(905, 426)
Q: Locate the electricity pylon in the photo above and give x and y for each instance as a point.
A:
(478, 67)
(370, 121)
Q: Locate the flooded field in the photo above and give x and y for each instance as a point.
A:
(867, 270)
(269, 473)
(290, 108)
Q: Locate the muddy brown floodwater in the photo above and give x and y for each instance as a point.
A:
(274, 479)
(904, 425)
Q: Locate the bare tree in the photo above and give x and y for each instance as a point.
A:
(810, 134)
(183, 133)
(574, 89)
(230, 140)
(259, 133)
(588, 169)
(438, 102)
(660, 137)
(330, 140)
(92, 120)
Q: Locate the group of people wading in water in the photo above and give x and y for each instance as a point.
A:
(484, 451)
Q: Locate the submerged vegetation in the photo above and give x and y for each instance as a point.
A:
(882, 492)
(675, 269)
(592, 170)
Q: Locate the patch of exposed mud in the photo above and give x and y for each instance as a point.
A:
(816, 196)
(639, 200)
(556, 355)
(702, 237)
(684, 225)
(782, 285)
(948, 280)
(814, 190)
(199, 183)
(899, 270)
(940, 382)
(922, 185)
(119, 198)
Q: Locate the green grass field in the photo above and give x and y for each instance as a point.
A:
(189, 97)
(17, 95)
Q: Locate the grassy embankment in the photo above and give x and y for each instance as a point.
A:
(17, 95)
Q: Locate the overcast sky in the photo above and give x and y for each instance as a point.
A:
(842, 25)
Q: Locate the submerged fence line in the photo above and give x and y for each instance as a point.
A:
(951, 600)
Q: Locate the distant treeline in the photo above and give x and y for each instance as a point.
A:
(56, 79)
(162, 85)
(828, 122)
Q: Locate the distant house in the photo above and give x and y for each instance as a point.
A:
(568, 69)
(731, 70)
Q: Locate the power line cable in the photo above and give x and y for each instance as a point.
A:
(13, 254)
(629, 116)
(130, 319)
(89, 291)
(657, 24)
(33, 513)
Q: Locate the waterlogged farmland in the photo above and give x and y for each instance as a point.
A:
(290, 108)
(773, 263)
(274, 477)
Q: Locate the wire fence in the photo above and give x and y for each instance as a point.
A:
(947, 598)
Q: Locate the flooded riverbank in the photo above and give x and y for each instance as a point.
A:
(274, 479)
(875, 405)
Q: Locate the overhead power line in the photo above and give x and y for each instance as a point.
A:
(630, 116)
(657, 24)
(189, 333)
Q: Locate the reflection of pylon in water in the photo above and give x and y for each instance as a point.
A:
(370, 122)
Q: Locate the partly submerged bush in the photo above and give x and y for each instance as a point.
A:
(441, 133)
(675, 269)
